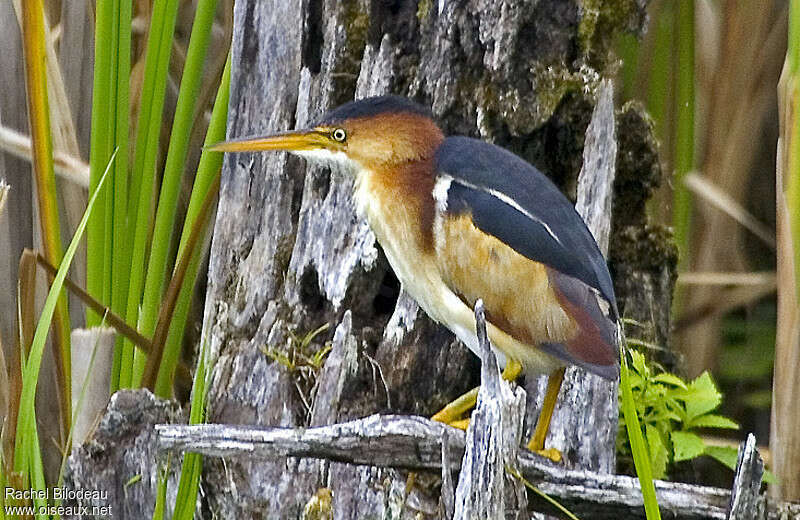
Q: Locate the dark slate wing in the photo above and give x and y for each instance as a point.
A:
(514, 202)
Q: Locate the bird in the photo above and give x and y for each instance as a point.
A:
(460, 219)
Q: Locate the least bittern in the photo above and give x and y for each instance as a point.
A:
(460, 219)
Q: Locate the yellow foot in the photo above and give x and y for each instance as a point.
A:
(536, 443)
(451, 414)
(463, 424)
(550, 453)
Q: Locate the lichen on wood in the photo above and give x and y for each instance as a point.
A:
(289, 252)
(419, 444)
(517, 75)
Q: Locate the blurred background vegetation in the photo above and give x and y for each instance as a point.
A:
(707, 71)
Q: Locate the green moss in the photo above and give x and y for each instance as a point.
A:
(356, 24)
(650, 247)
(522, 111)
(347, 63)
(601, 23)
(303, 359)
(590, 12)
(552, 84)
(423, 10)
(639, 170)
(319, 506)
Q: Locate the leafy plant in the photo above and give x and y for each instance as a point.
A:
(671, 412)
(124, 276)
(33, 31)
(302, 361)
(638, 448)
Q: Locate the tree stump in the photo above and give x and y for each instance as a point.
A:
(289, 253)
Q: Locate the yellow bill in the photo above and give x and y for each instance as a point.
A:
(290, 141)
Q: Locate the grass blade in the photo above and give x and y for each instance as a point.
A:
(683, 116)
(120, 242)
(552, 501)
(27, 456)
(173, 171)
(784, 430)
(47, 197)
(641, 457)
(168, 335)
(185, 501)
(77, 410)
(161, 492)
(159, 45)
(99, 151)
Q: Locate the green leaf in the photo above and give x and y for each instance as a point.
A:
(724, 454)
(161, 492)
(670, 379)
(159, 262)
(517, 475)
(639, 364)
(687, 445)
(713, 421)
(206, 185)
(673, 416)
(728, 456)
(192, 467)
(27, 454)
(636, 382)
(702, 396)
(658, 451)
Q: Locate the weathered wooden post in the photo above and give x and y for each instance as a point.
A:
(289, 253)
(746, 504)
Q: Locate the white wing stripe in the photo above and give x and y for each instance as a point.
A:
(494, 193)
(440, 190)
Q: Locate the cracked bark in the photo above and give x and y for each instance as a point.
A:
(416, 443)
(289, 253)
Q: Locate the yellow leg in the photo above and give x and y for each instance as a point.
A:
(452, 412)
(536, 444)
(512, 370)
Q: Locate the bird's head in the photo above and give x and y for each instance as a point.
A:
(371, 133)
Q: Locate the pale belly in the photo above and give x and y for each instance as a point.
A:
(445, 307)
(420, 277)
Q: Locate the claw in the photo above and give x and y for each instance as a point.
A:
(452, 412)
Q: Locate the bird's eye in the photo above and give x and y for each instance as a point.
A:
(339, 135)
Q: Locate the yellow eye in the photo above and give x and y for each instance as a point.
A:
(339, 135)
